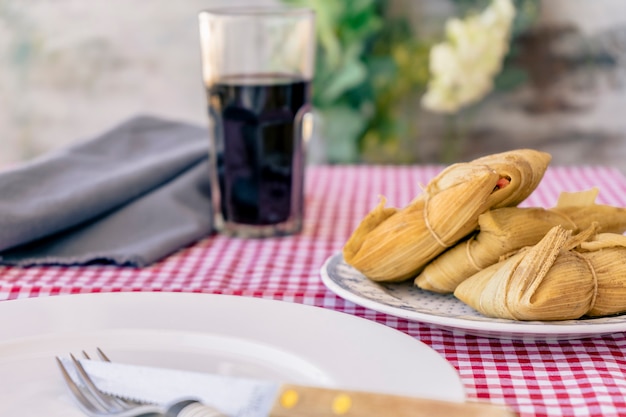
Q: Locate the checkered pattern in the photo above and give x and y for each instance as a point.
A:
(569, 378)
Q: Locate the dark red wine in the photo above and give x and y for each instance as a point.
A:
(259, 156)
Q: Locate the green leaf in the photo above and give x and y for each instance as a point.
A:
(326, 22)
(360, 6)
(510, 78)
(352, 74)
(342, 126)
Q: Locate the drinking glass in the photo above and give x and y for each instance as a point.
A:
(257, 66)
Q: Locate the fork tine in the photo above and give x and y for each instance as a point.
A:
(117, 402)
(102, 355)
(84, 400)
(105, 401)
(96, 403)
(122, 401)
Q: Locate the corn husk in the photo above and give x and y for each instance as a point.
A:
(502, 231)
(506, 230)
(560, 278)
(392, 245)
(524, 168)
(581, 209)
(607, 254)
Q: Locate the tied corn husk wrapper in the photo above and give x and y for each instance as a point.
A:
(560, 278)
(506, 230)
(393, 245)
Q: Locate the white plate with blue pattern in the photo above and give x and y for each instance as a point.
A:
(412, 303)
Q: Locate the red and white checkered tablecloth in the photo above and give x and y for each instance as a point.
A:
(570, 378)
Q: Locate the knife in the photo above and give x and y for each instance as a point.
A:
(248, 397)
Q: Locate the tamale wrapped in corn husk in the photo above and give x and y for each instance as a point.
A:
(522, 168)
(501, 231)
(509, 229)
(607, 254)
(560, 278)
(581, 209)
(393, 245)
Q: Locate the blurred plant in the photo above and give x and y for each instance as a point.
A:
(398, 73)
(370, 69)
(365, 65)
(463, 66)
(527, 12)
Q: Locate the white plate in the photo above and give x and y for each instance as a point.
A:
(217, 333)
(410, 302)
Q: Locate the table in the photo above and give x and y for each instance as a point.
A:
(567, 378)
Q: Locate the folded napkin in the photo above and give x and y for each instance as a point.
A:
(129, 196)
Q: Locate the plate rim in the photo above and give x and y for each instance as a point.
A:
(502, 329)
(317, 315)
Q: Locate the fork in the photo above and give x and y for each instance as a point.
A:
(95, 403)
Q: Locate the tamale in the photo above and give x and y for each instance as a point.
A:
(509, 229)
(501, 231)
(581, 209)
(522, 168)
(560, 278)
(607, 253)
(393, 245)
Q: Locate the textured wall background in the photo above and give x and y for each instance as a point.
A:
(71, 68)
(574, 103)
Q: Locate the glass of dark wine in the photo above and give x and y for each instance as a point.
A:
(257, 66)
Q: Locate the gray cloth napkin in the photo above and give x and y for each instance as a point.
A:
(130, 196)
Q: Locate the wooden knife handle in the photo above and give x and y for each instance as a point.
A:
(306, 401)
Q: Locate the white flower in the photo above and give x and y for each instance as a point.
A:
(463, 67)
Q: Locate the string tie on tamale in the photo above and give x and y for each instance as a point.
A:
(394, 245)
(593, 275)
(439, 241)
(468, 253)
